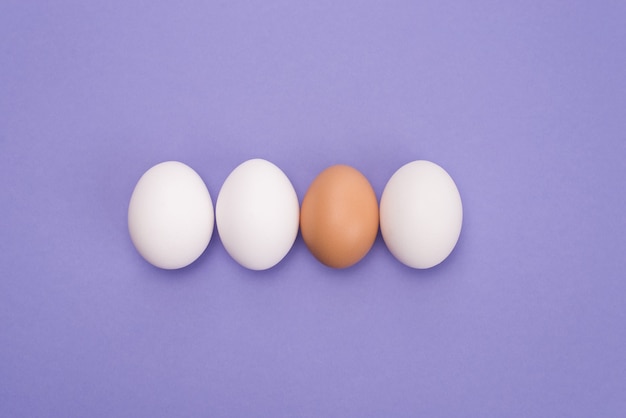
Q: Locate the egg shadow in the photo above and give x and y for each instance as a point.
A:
(277, 272)
(194, 271)
(449, 269)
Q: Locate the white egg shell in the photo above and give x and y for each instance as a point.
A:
(257, 214)
(421, 214)
(170, 215)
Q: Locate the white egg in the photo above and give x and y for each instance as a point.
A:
(257, 214)
(170, 215)
(421, 214)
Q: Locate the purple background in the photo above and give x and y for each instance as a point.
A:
(524, 104)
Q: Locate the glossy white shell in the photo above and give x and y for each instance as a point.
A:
(170, 215)
(421, 214)
(257, 214)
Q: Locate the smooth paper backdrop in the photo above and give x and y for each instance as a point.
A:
(523, 103)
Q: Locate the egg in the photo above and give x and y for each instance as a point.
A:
(339, 216)
(257, 214)
(421, 214)
(170, 215)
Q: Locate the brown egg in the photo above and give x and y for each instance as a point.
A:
(339, 216)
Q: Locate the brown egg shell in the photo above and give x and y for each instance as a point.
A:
(339, 216)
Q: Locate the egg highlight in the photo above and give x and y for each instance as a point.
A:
(339, 216)
(421, 214)
(170, 215)
(257, 214)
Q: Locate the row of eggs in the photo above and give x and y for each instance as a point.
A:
(171, 216)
